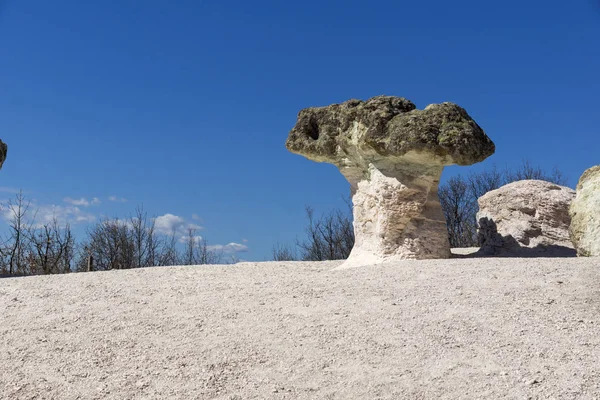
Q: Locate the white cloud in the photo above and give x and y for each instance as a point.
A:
(121, 222)
(169, 223)
(196, 217)
(245, 240)
(45, 214)
(229, 248)
(77, 202)
(5, 189)
(82, 202)
(69, 214)
(184, 239)
(117, 199)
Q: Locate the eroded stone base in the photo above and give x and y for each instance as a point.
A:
(397, 220)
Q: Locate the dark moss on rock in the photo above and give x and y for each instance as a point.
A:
(389, 126)
(3, 151)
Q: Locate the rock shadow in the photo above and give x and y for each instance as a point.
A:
(12, 275)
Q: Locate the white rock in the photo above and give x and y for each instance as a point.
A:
(585, 214)
(525, 218)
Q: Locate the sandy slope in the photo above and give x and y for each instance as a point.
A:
(460, 328)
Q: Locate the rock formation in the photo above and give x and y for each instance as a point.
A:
(3, 150)
(393, 156)
(585, 214)
(526, 218)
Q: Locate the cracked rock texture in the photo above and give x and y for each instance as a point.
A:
(526, 217)
(3, 151)
(393, 156)
(585, 214)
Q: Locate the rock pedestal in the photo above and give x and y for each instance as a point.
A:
(393, 156)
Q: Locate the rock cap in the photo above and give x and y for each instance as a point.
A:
(3, 151)
(388, 126)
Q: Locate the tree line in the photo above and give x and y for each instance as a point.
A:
(36, 248)
(331, 237)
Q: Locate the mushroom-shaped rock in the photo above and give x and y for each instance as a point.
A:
(3, 151)
(393, 156)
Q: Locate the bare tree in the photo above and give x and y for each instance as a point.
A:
(135, 243)
(482, 182)
(143, 234)
(32, 248)
(233, 259)
(195, 250)
(459, 209)
(205, 255)
(189, 255)
(331, 237)
(527, 171)
(16, 246)
(284, 253)
(111, 245)
(51, 249)
(168, 252)
(152, 245)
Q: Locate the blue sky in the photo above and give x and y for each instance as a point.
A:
(185, 106)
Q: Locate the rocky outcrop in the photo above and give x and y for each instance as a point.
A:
(526, 218)
(3, 151)
(393, 156)
(585, 214)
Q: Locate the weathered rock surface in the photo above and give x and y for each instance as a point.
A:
(585, 214)
(3, 151)
(526, 218)
(393, 156)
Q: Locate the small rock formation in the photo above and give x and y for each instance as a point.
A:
(526, 218)
(3, 150)
(585, 214)
(393, 156)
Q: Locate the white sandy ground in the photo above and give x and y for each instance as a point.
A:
(447, 329)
